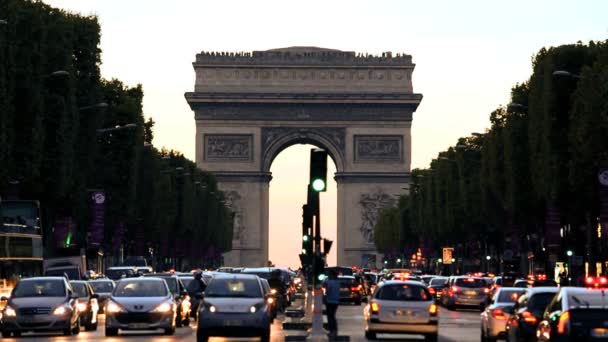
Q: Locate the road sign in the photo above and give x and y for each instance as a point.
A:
(447, 255)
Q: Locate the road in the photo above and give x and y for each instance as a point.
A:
(459, 326)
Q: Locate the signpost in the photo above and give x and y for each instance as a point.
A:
(448, 252)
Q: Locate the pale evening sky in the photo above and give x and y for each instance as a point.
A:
(468, 55)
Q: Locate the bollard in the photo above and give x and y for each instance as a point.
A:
(317, 333)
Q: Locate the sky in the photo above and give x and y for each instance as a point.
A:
(468, 55)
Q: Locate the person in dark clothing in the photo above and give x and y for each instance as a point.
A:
(332, 292)
(196, 286)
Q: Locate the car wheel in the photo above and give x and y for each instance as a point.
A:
(490, 338)
(186, 321)
(358, 302)
(370, 335)
(111, 332)
(430, 338)
(76, 329)
(483, 336)
(170, 331)
(201, 336)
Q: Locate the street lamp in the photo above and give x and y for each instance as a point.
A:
(97, 105)
(58, 73)
(116, 128)
(565, 73)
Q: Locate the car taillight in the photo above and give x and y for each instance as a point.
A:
(432, 290)
(562, 324)
(433, 309)
(528, 317)
(453, 290)
(486, 290)
(499, 314)
(375, 307)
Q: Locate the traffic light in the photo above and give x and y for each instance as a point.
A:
(318, 170)
(306, 231)
(319, 267)
(327, 246)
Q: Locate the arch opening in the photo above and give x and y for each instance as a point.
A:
(290, 176)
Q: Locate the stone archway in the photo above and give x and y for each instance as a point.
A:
(250, 106)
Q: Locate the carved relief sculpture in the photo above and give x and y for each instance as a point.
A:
(232, 199)
(378, 148)
(228, 146)
(371, 205)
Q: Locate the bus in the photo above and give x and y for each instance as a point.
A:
(20, 242)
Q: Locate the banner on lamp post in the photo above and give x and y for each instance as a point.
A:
(96, 231)
(603, 193)
(448, 253)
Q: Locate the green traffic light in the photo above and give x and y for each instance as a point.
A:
(318, 185)
(322, 277)
(305, 238)
(68, 240)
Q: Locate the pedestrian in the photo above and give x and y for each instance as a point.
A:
(196, 287)
(332, 293)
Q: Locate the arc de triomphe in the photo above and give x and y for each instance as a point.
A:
(250, 106)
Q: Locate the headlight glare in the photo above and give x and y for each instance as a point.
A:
(60, 311)
(81, 307)
(164, 307)
(10, 312)
(252, 309)
(113, 307)
(212, 309)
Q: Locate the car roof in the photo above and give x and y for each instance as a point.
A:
(78, 282)
(402, 282)
(121, 268)
(346, 277)
(100, 280)
(42, 278)
(235, 276)
(140, 279)
(160, 275)
(542, 289)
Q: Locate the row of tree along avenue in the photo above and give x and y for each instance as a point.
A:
(531, 193)
(80, 145)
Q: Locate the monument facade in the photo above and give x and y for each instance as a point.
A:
(249, 107)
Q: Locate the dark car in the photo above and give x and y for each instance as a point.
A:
(103, 288)
(140, 304)
(120, 272)
(41, 304)
(350, 290)
(529, 283)
(575, 314)
(180, 295)
(528, 312)
(87, 304)
(436, 286)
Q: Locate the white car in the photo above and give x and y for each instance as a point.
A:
(401, 307)
(494, 318)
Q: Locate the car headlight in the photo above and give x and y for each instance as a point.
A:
(258, 306)
(113, 307)
(81, 307)
(164, 307)
(212, 308)
(60, 311)
(10, 312)
(252, 309)
(273, 291)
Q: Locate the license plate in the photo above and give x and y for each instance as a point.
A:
(399, 312)
(233, 323)
(599, 332)
(138, 325)
(471, 293)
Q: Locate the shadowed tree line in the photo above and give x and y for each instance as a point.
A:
(528, 186)
(65, 132)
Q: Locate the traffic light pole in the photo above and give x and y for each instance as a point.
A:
(317, 333)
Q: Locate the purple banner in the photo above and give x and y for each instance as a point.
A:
(96, 230)
(552, 226)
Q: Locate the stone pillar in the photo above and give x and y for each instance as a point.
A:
(361, 196)
(247, 196)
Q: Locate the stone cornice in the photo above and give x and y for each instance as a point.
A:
(372, 177)
(242, 176)
(396, 98)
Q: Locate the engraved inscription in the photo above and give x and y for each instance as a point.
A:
(371, 205)
(378, 148)
(228, 147)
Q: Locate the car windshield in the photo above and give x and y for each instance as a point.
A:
(438, 281)
(403, 292)
(472, 283)
(140, 288)
(186, 280)
(172, 283)
(39, 288)
(509, 296)
(590, 298)
(249, 288)
(371, 278)
(80, 289)
(346, 282)
(121, 273)
(71, 273)
(102, 286)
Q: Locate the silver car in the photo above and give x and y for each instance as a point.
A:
(140, 304)
(234, 305)
(494, 318)
(41, 304)
(401, 307)
(465, 291)
(103, 288)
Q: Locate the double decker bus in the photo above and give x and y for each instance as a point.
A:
(20, 242)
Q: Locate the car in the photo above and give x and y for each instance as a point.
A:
(41, 304)
(234, 305)
(140, 304)
(495, 316)
(528, 312)
(529, 283)
(427, 278)
(575, 314)
(180, 296)
(350, 290)
(119, 272)
(266, 273)
(271, 298)
(401, 307)
(87, 304)
(465, 291)
(436, 286)
(103, 287)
